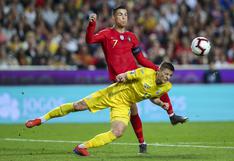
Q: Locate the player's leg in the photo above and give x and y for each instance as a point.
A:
(138, 129)
(117, 130)
(59, 111)
(175, 119)
(119, 121)
(165, 98)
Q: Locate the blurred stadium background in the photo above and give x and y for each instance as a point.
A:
(44, 61)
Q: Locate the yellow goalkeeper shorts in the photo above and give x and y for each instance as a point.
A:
(119, 111)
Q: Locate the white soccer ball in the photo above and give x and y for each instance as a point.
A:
(200, 46)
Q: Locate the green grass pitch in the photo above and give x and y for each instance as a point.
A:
(202, 141)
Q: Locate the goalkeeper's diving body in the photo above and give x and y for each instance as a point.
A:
(131, 87)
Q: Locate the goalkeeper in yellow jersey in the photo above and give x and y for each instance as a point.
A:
(131, 87)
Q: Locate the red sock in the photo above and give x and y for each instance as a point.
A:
(165, 98)
(137, 126)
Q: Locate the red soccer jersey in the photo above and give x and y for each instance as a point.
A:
(118, 49)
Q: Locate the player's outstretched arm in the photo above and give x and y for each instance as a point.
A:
(90, 36)
(132, 75)
(165, 98)
(91, 28)
(92, 17)
(175, 119)
(145, 62)
(137, 52)
(160, 103)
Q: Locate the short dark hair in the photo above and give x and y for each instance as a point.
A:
(167, 65)
(117, 8)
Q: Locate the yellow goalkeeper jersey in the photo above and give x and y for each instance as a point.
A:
(140, 85)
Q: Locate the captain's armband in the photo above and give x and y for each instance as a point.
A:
(136, 50)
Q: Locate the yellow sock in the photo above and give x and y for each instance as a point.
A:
(59, 111)
(100, 140)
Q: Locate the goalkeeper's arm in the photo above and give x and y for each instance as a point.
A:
(132, 75)
(160, 103)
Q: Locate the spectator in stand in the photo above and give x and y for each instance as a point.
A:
(171, 23)
(212, 75)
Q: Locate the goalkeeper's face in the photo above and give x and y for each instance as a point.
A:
(121, 18)
(164, 75)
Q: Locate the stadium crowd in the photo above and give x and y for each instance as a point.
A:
(52, 32)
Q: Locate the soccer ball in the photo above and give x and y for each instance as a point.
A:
(200, 46)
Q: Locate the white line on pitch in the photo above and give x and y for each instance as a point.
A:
(152, 144)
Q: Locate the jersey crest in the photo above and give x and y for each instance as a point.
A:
(121, 37)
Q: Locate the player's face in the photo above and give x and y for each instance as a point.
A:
(121, 18)
(164, 75)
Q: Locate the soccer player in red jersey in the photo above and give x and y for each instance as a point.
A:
(122, 50)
